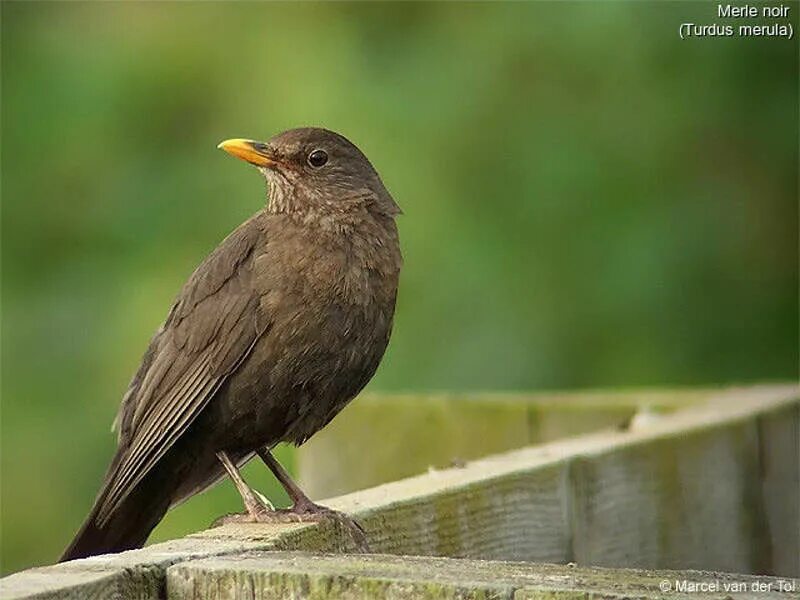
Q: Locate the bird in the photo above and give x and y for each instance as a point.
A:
(273, 334)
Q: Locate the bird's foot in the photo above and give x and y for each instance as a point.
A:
(307, 511)
(301, 512)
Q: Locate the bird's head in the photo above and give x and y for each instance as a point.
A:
(315, 172)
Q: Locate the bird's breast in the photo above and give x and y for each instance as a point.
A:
(329, 309)
(356, 270)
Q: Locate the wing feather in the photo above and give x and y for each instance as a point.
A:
(210, 330)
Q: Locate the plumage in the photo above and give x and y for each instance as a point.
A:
(271, 336)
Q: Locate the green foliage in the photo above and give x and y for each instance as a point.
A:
(589, 201)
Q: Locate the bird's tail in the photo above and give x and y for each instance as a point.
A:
(126, 528)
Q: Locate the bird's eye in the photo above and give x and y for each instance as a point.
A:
(318, 158)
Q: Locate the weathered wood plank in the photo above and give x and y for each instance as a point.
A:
(684, 502)
(71, 582)
(779, 437)
(135, 574)
(270, 575)
(679, 491)
(386, 437)
(692, 495)
(488, 509)
(682, 491)
(604, 497)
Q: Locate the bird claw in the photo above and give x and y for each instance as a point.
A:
(300, 513)
(308, 511)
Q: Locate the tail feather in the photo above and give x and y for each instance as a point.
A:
(189, 467)
(127, 527)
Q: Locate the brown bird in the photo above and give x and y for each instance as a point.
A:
(272, 335)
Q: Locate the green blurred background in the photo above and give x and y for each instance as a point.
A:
(589, 202)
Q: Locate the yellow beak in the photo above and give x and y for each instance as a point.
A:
(249, 150)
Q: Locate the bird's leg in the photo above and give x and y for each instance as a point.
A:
(304, 509)
(301, 504)
(260, 510)
(255, 503)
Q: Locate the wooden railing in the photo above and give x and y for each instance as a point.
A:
(698, 480)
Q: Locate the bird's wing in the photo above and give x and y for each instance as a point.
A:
(210, 330)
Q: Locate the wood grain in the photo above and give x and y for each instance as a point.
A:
(278, 575)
